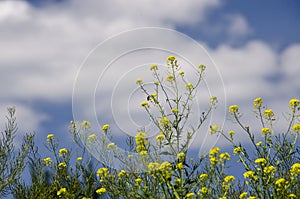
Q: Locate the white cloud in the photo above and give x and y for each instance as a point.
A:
(41, 49)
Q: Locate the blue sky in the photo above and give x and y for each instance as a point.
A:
(255, 45)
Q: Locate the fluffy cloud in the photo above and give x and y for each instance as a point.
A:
(42, 48)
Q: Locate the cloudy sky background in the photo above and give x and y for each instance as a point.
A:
(255, 46)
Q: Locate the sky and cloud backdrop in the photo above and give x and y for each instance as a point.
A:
(254, 44)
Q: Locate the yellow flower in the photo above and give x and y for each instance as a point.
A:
(101, 191)
(229, 179)
(225, 156)
(296, 127)
(62, 164)
(170, 78)
(102, 172)
(111, 145)
(251, 197)
(204, 190)
(79, 159)
(139, 81)
(224, 197)
(140, 138)
(203, 176)
(280, 182)
(159, 138)
(171, 59)
(243, 195)
(259, 143)
(179, 166)
(122, 173)
(257, 102)
(213, 100)
(181, 73)
(269, 169)
(47, 161)
(181, 156)
(189, 86)
(189, 195)
(202, 67)
(153, 67)
(153, 166)
(50, 136)
(62, 191)
(174, 110)
(105, 127)
(213, 160)
(266, 131)
(145, 104)
(261, 161)
(63, 151)
(268, 114)
(292, 195)
(164, 121)
(214, 151)
(231, 133)
(294, 103)
(138, 181)
(237, 150)
(295, 169)
(233, 109)
(213, 129)
(91, 137)
(144, 152)
(248, 174)
(85, 124)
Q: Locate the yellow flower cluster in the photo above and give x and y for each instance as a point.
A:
(294, 103)
(233, 109)
(141, 142)
(295, 169)
(47, 161)
(237, 150)
(160, 137)
(63, 151)
(101, 191)
(213, 129)
(270, 170)
(257, 103)
(105, 127)
(250, 175)
(165, 169)
(111, 145)
(189, 195)
(122, 173)
(203, 176)
(164, 121)
(181, 156)
(102, 172)
(62, 191)
(91, 138)
(265, 131)
(268, 114)
(50, 136)
(181, 73)
(189, 86)
(139, 81)
(153, 67)
(62, 165)
(170, 78)
(145, 104)
(261, 161)
(296, 127)
(85, 125)
(213, 155)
